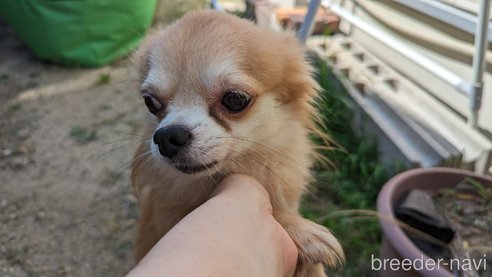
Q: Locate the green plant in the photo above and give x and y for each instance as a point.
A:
(4, 77)
(104, 79)
(13, 108)
(82, 135)
(352, 182)
(484, 192)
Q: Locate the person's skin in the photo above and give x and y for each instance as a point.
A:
(232, 234)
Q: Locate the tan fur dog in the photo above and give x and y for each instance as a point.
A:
(227, 97)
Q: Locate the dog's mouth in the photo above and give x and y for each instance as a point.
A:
(191, 169)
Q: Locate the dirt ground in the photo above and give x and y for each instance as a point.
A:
(66, 139)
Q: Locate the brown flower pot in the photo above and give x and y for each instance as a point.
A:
(396, 244)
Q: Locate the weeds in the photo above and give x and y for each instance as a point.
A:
(104, 79)
(82, 135)
(4, 77)
(352, 183)
(480, 189)
(13, 108)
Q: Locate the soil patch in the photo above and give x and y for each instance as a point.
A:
(67, 138)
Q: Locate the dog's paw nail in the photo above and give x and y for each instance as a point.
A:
(320, 246)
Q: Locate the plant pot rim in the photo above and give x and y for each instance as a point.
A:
(392, 191)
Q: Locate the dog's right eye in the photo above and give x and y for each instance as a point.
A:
(235, 101)
(152, 104)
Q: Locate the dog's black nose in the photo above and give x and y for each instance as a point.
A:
(172, 139)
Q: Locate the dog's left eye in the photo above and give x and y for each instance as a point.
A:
(235, 101)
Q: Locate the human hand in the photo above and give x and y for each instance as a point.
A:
(232, 234)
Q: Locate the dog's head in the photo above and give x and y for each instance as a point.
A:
(221, 89)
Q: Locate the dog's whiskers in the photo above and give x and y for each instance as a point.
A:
(275, 151)
(210, 174)
(131, 134)
(104, 153)
(120, 144)
(144, 158)
(262, 164)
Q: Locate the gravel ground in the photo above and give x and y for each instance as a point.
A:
(67, 137)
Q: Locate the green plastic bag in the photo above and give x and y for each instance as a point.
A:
(79, 32)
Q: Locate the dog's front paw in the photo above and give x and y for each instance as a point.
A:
(315, 243)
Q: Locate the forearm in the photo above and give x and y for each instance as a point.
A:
(232, 234)
(179, 253)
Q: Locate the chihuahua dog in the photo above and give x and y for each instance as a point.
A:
(227, 97)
